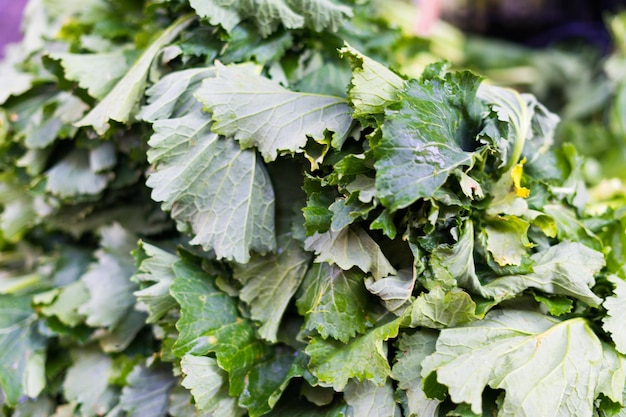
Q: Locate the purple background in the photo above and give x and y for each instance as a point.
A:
(10, 22)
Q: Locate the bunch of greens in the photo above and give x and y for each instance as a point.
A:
(230, 208)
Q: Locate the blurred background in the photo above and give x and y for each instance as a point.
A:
(10, 20)
(536, 23)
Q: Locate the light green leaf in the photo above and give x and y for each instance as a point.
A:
(217, 12)
(456, 263)
(350, 247)
(507, 239)
(119, 337)
(349, 209)
(295, 407)
(374, 87)
(470, 187)
(612, 375)
(545, 367)
(269, 14)
(319, 15)
(407, 369)
(511, 108)
(111, 66)
(173, 95)
(12, 81)
(119, 104)
(209, 386)
(96, 397)
(73, 176)
(64, 303)
(439, 309)
(269, 283)
(365, 186)
(394, 290)
(423, 140)
(334, 363)
(215, 190)
(616, 314)
(568, 268)
(182, 404)
(570, 227)
(322, 15)
(154, 275)
(210, 322)
(556, 305)
(52, 120)
(147, 390)
(370, 400)
(21, 363)
(333, 302)
(37, 407)
(18, 214)
(108, 279)
(103, 157)
(259, 112)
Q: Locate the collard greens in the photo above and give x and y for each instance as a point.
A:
(250, 208)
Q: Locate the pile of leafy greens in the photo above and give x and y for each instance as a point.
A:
(231, 208)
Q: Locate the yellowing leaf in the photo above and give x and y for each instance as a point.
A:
(516, 175)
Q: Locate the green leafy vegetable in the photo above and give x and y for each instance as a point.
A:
(334, 363)
(368, 399)
(207, 384)
(268, 116)
(333, 302)
(352, 246)
(232, 209)
(246, 208)
(21, 346)
(147, 391)
(425, 139)
(613, 322)
(269, 284)
(120, 102)
(542, 364)
(407, 370)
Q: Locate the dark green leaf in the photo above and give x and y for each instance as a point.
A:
(334, 363)
(210, 322)
(333, 302)
(425, 140)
